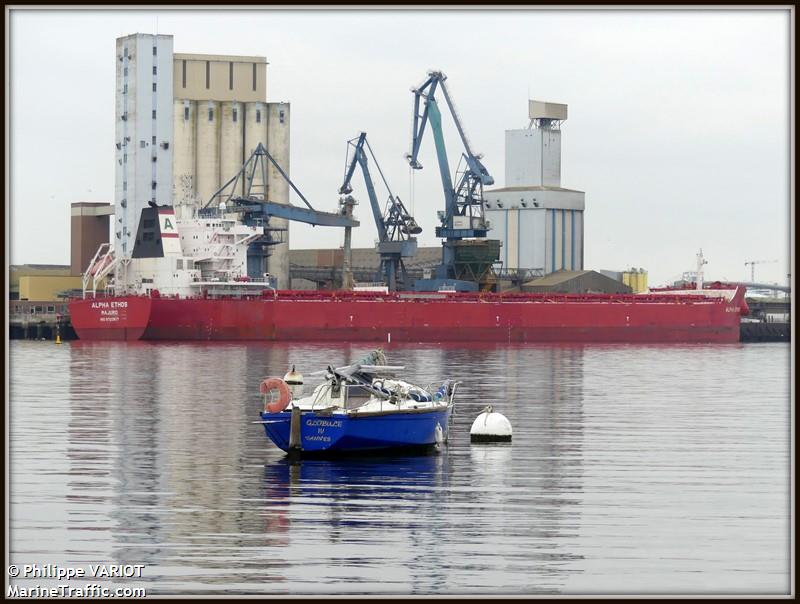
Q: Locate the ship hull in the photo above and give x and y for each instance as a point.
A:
(120, 318)
(331, 316)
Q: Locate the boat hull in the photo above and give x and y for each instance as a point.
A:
(338, 316)
(412, 429)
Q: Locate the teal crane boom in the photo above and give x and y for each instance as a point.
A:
(463, 216)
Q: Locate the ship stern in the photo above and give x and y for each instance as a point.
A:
(113, 318)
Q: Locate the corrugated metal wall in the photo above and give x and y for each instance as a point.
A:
(564, 248)
(548, 239)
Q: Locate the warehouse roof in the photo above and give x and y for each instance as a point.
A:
(557, 277)
(576, 282)
(183, 56)
(30, 268)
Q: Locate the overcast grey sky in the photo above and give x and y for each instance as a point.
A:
(678, 126)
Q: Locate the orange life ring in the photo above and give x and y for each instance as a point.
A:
(284, 394)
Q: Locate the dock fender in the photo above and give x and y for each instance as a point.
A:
(272, 384)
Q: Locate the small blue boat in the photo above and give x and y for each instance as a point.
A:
(362, 407)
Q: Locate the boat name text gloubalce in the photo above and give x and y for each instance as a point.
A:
(325, 422)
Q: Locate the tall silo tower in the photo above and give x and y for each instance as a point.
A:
(143, 132)
(539, 222)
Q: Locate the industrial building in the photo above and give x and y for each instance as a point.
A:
(89, 223)
(539, 223)
(576, 282)
(35, 304)
(41, 283)
(37, 292)
(185, 125)
(635, 278)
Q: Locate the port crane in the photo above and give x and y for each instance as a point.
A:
(254, 203)
(394, 223)
(463, 216)
(752, 264)
(247, 193)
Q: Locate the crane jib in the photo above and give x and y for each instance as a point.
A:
(395, 226)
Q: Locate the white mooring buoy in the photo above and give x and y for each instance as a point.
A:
(490, 427)
(294, 379)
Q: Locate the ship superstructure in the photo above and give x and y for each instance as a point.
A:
(179, 257)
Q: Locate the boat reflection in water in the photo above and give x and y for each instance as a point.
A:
(361, 517)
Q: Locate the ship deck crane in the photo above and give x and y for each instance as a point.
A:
(394, 224)
(463, 216)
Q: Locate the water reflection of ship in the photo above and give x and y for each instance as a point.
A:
(212, 489)
(103, 385)
(174, 479)
(89, 434)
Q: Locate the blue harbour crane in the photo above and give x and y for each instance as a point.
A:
(255, 208)
(465, 264)
(255, 204)
(394, 223)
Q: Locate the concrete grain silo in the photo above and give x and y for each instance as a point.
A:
(207, 150)
(278, 188)
(231, 142)
(183, 163)
(255, 131)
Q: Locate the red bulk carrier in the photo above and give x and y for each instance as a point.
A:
(186, 282)
(412, 317)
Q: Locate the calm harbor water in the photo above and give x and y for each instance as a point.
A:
(633, 469)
